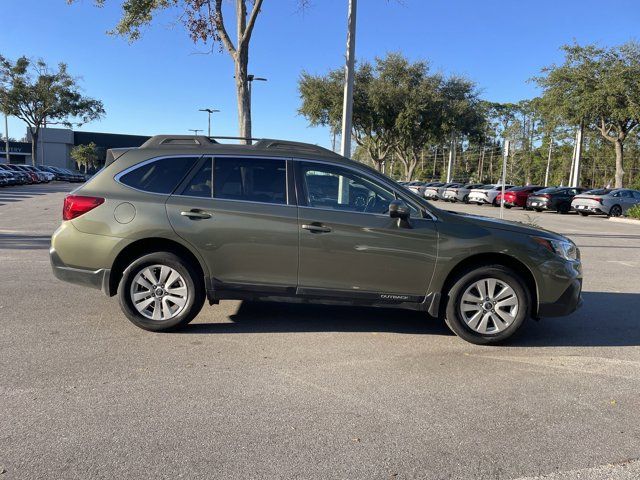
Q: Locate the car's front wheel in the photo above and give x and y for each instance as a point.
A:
(161, 291)
(487, 304)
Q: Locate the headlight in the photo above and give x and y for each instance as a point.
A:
(563, 248)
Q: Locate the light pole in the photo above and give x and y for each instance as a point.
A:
(6, 133)
(250, 78)
(195, 131)
(209, 111)
(347, 104)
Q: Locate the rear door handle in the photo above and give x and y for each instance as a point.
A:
(317, 228)
(195, 214)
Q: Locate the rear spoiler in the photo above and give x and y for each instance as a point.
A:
(113, 154)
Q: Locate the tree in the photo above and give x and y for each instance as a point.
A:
(599, 88)
(374, 109)
(36, 94)
(205, 22)
(86, 155)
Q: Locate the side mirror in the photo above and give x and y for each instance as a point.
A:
(399, 209)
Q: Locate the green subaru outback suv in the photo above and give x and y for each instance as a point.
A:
(183, 219)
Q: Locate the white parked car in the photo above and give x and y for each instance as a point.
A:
(459, 194)
(487, 194)
(431, 192)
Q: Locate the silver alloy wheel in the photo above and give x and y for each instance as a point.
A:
(159, 292)
(489, 306)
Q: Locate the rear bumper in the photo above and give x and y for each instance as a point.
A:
(98, 279)
(569, 302)
(588, 209)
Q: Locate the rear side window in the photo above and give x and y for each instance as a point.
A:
(250, 179)
(159, 176)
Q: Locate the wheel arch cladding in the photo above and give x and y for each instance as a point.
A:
(486, 259)
(144, 247)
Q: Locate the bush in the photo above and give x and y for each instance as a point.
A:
(634, 212)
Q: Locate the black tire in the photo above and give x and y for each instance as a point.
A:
(539, 210)
(584, 214)
(563, 208)
(507, 206)
(495, 203)
(615, 211)
(466, 199)
(193, 282)
(453, 315)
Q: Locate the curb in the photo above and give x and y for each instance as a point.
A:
(631, 221)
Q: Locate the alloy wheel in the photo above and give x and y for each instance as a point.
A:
(159, 292)
(489, 306)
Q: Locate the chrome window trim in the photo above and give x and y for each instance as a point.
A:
(372, 179)
(119, 175)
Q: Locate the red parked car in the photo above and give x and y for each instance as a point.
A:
(517, 196)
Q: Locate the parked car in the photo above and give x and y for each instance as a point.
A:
(431, 192)
(416, 187)
(166, 225)
(486, 194)
(605, 202)
(7, 179)
(517, 196)
(460, 193)
(553, 198)
(21, 177)
(30, 176)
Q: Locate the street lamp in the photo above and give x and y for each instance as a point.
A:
(209, 111)
(195, 131)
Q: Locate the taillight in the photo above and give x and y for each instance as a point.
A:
(76, 205)
(598, 199)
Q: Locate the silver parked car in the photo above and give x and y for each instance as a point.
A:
(605, 202)
(459, 194)
(431, 192)
(487, 194)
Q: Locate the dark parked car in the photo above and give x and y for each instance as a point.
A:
(517, 196)
(183, 219)
(553, 198)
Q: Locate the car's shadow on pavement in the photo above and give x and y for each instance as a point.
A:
(271, 317)
(605, 320)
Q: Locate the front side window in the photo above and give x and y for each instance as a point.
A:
(250, 179)
(337, 188)
(159, 176)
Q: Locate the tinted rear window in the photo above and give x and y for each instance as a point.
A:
(159, 176)
(598, 191)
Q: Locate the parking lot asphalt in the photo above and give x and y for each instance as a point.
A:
(253, 390)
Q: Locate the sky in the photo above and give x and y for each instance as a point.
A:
(157, 84)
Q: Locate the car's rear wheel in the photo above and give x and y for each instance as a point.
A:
(538, 210)
(161, 291)
(615, 211)
(466, 199)
(584, 214)
(564, 208)
(487, 304)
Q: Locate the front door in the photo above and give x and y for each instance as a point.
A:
(237, 214)
(350, 247)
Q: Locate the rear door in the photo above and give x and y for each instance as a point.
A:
(350, 247)
(238, 213)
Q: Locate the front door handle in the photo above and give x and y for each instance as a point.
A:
(316, 228)
(195, 214)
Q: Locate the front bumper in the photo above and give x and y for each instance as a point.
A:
(569, 302)
(98, 279)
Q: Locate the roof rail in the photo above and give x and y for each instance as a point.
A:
(269, 144)
(178, 140)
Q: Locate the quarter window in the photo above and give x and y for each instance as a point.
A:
(341, 189)
(159, 176)
(250, 179)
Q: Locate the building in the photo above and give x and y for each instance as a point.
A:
(55, 144)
